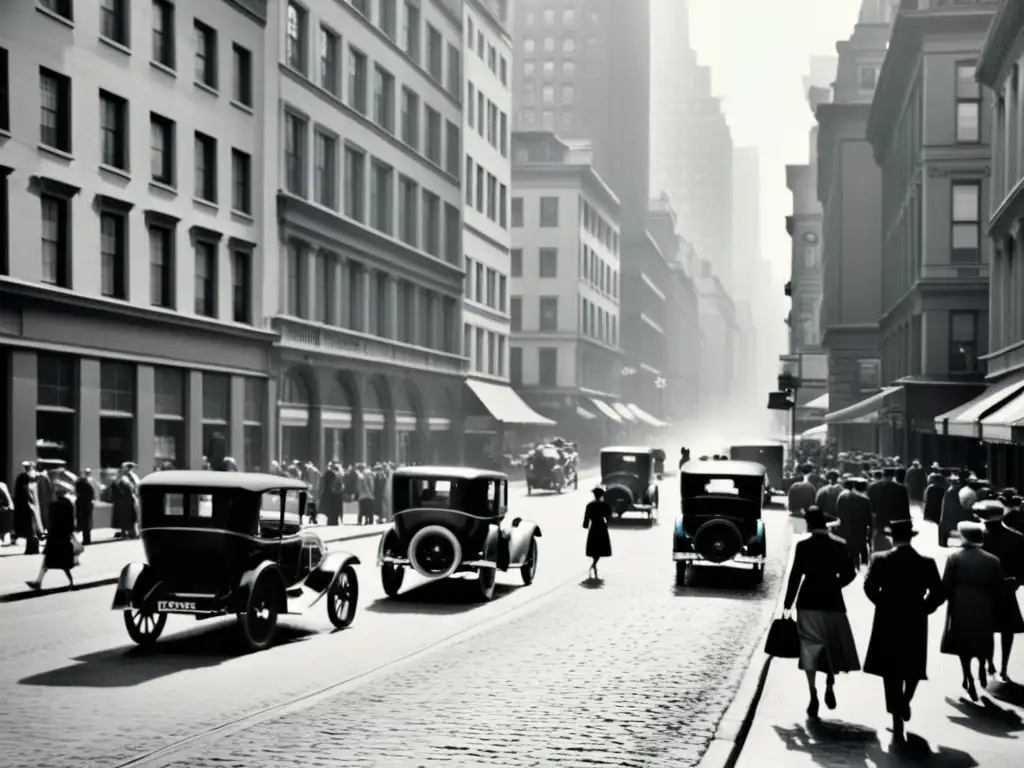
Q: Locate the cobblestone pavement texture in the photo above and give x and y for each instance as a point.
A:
(66, 658)
(946, 729)
(629, 672)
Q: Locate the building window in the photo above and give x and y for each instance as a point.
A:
(549, 313)
(241, 176)
(117, 387)
(867, 78)
(547, 360)
(968, 104)
(388, 21)
(503, 76)
(325, 184)
(503, 206)
(330, 80)
(454, 71)
(163, 33)
(411, 36)
(241, 86)
(62, 8)
(357, 80)
(55, 110)
(56, 382)
(480, 190)
(114, 21)
(516, 313)
(549, 262)
(435, 54)
(515, 365)
(468, 181)
(206, 168)
(516, 263)
(161, 153)
(492, 353)
(5, 91)
(963, 342)
(295, 154)
(56, 241)
(517, 211)
(478, 294)
(241, 286)
(453, 149)
(384, 99)
(206, 55)
(295, 272)
(433, 148)
(408, 219)
(966, 223)
(355, 184)
(161, 267)
(114, 130)
(503, 135)
(381, 195)
(206, 279)
(410, 119)
(113, 255)
(502, 293)
(549, 211)
(295, 40)
(478, 362)
(431, 223)
(452, 233)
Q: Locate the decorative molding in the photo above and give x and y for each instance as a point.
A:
(198, 233)
(44, 185)
(953, 171)
(161, 219)
(108, 203)
(238, 244)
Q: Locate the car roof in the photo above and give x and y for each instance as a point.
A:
(627, 449)
(443, 472)
(257, 482)
(723, 468)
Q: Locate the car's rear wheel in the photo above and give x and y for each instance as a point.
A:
(391, 578)
(343, 598)
(681, 570)
(259, 621)
(144, 627)
(529, 569)
(485, 581)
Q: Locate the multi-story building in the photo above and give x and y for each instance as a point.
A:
(718, 324)
(926, 128)
(566, 288)
(365, 213)
(131, 302)
(849, 186)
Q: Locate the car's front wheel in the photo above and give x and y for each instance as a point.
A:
(259, 621)
(529, 569)
(391, 578)
(144, 627)
(343, 598)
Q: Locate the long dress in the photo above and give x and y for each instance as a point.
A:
(595, 519)
(59, 552)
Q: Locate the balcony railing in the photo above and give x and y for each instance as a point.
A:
(341, 342)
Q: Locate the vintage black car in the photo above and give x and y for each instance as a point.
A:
(771, 456)
(220, 543)
(630, 480)
(719, 520)
(450, 520)
(550, 468)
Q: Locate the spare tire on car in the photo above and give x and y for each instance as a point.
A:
(618, 497)
(718, 540)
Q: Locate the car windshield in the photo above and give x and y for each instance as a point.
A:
(614, 463)
(709, 485)
(479, 496)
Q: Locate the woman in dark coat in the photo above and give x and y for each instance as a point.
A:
(599, 543)
(974, 585)
(60, 545)
(1008, 545)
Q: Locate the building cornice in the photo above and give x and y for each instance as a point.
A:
(1002, 34)
(497, 25)
(584, 174)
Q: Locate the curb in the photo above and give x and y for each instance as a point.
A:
(731, 733)
(106, 581)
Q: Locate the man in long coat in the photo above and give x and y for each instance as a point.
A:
(933, 493)
(1008, 545)
(952, 512)
(28, 521)
(889, 501)
(906, 589)
(916, 481)
(332, 501)
(85, 498)
(853, 508)
(828, 494)
(801, 492)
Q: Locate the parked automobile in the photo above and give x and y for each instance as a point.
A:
(451, 520)
(221, 543)
(550, 468)
(630, 480)
(719, 520)
(771, 456)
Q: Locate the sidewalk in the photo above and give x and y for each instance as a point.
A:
(946, 728)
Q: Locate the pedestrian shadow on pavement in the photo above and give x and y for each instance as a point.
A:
(986, 717)
(445, 597)
(131, 665)
(1008, 692)
(837, 742)
(632, 523)
(592, 583)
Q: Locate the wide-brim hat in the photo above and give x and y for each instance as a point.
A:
(597, 490)
(901, 529)
(971, 533)
(989, 510)
(816, 519)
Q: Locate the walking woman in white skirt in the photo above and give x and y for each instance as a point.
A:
(821, 570)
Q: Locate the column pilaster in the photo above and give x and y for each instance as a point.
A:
(87, 428)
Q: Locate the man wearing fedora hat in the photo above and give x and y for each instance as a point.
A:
(801, 492)
(1008, 545)
(905, 588)
(916, 481)
(853, 508)
(933, 493)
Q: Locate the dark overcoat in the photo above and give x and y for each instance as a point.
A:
(889, 501)
(595, 519)
(915, 482)
(905, 588)
(1008, 545)
(854, 512)
(933, 494)
(122, 497)
(973, 581)
(59, 551)
(952, 512)
(800, 496)
(332, 496)
(826, 498)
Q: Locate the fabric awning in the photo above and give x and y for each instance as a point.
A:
(998, 425)
(583, 413)
(645, 417)
(820, 403)
(625, 413)
(819, 432)
(606, 410)
(965, 420)
(864, 412)
(504, 404)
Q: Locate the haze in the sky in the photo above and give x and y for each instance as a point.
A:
(759, 51)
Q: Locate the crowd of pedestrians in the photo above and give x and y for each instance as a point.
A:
(862, 515)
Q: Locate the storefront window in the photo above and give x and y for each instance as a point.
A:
(216, 415)
(57, 401)
(169, 425)
(254, 409)
(404, 447)
(56, 381)
(374, 446)
(117, 414)
(117, 388)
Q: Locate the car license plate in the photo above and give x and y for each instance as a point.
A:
(177, 606)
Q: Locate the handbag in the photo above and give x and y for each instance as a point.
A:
(76, 546)
(783, 639)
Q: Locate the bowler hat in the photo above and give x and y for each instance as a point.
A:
(832, 475)
(989, 510)
(971, 534)
(816, 519)
(901, 529)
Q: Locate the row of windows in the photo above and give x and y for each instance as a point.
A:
(968, 104)
(598, 323)
(598, 226)
(566, 95)
(409, 38)
(568, 45)
(527, 119)
(547, 367)
(485, 193)
(485, 285)
(598, 273)
(547, 320)
(547, 68)
(485, 349)
(323, 287)
(490, 122)
(568, 17)
(368, 190)
(114, 223)
(495, 62)
(547, 212)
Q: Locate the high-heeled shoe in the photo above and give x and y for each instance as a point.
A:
(812, 709)
(971, 690)
(982, 676)
(830, 698)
